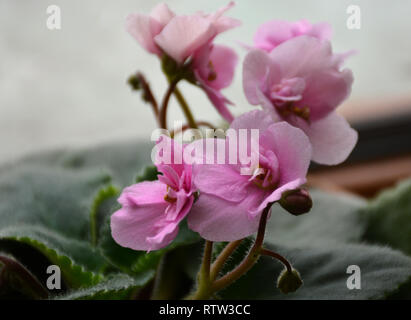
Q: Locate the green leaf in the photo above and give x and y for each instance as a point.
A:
(48, 209)
(388, 218)
(149, 173)
(79, 263)
(101, 207)
(116, 287)
(324, 273)
(121, 160)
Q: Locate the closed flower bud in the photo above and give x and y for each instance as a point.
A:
(289, 281)
(296, 202)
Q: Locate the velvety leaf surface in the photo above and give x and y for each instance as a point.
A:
(388, 218)
(333, 219)
(116, 287)
(122, 160)
(48, 208)
(323, 271)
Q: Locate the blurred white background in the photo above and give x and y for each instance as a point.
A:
(68, 87)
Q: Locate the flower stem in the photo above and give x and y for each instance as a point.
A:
(222, 258)
(204, 281)
(186, 109)
(164, 105)
(251, 258)
(186, 126)
(138, 81)
(277, 256)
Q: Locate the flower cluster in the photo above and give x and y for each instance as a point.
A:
(292, 73)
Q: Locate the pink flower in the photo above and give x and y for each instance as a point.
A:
(178, 36)
(152, 210)
(300, 82)
(144, 28)
(213, 68)
(230, 204)
(184, 37)
(271, 34)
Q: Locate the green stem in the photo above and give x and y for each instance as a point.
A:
(251, 258)
(186, 109)
(204, 281)
(222, 258)
(206, 284)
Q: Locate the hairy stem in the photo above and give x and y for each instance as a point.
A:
(204, 281)
(248, 261)
(277, 256)
(222, 258)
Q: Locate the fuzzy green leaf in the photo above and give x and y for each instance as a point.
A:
(116, 287)
(388, 218)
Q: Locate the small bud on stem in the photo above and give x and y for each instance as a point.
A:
(296, 202)
(289, 281)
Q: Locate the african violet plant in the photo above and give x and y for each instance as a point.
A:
(294, 75)
(210, 197)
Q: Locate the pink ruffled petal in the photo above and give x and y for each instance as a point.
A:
(222, 180)
(221, 23)
(268, 106)
(169, 158)
(132, 225)
(302, 55)
(325, 91)
(256, 68)
(216, 219)
(183, 35)
(143, 28)
(276, 195)
(272, 33)
(223, 61)
(165, 236)
(162, 14)
(256, 119)
(143, 193)
(292, 148)
(332, 139)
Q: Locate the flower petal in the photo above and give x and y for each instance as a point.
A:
(169, 158)
(183, 35)
(143, 28)
(224, 60)
(132, 225)
(256, 68)
(143, 193)
(221, 180)
(325, 91)
(162, 14)
(216, 219)
(221, 23)
(292, 148)
(256, 119)
(219, 101)
(332, 139)
(277, 193)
